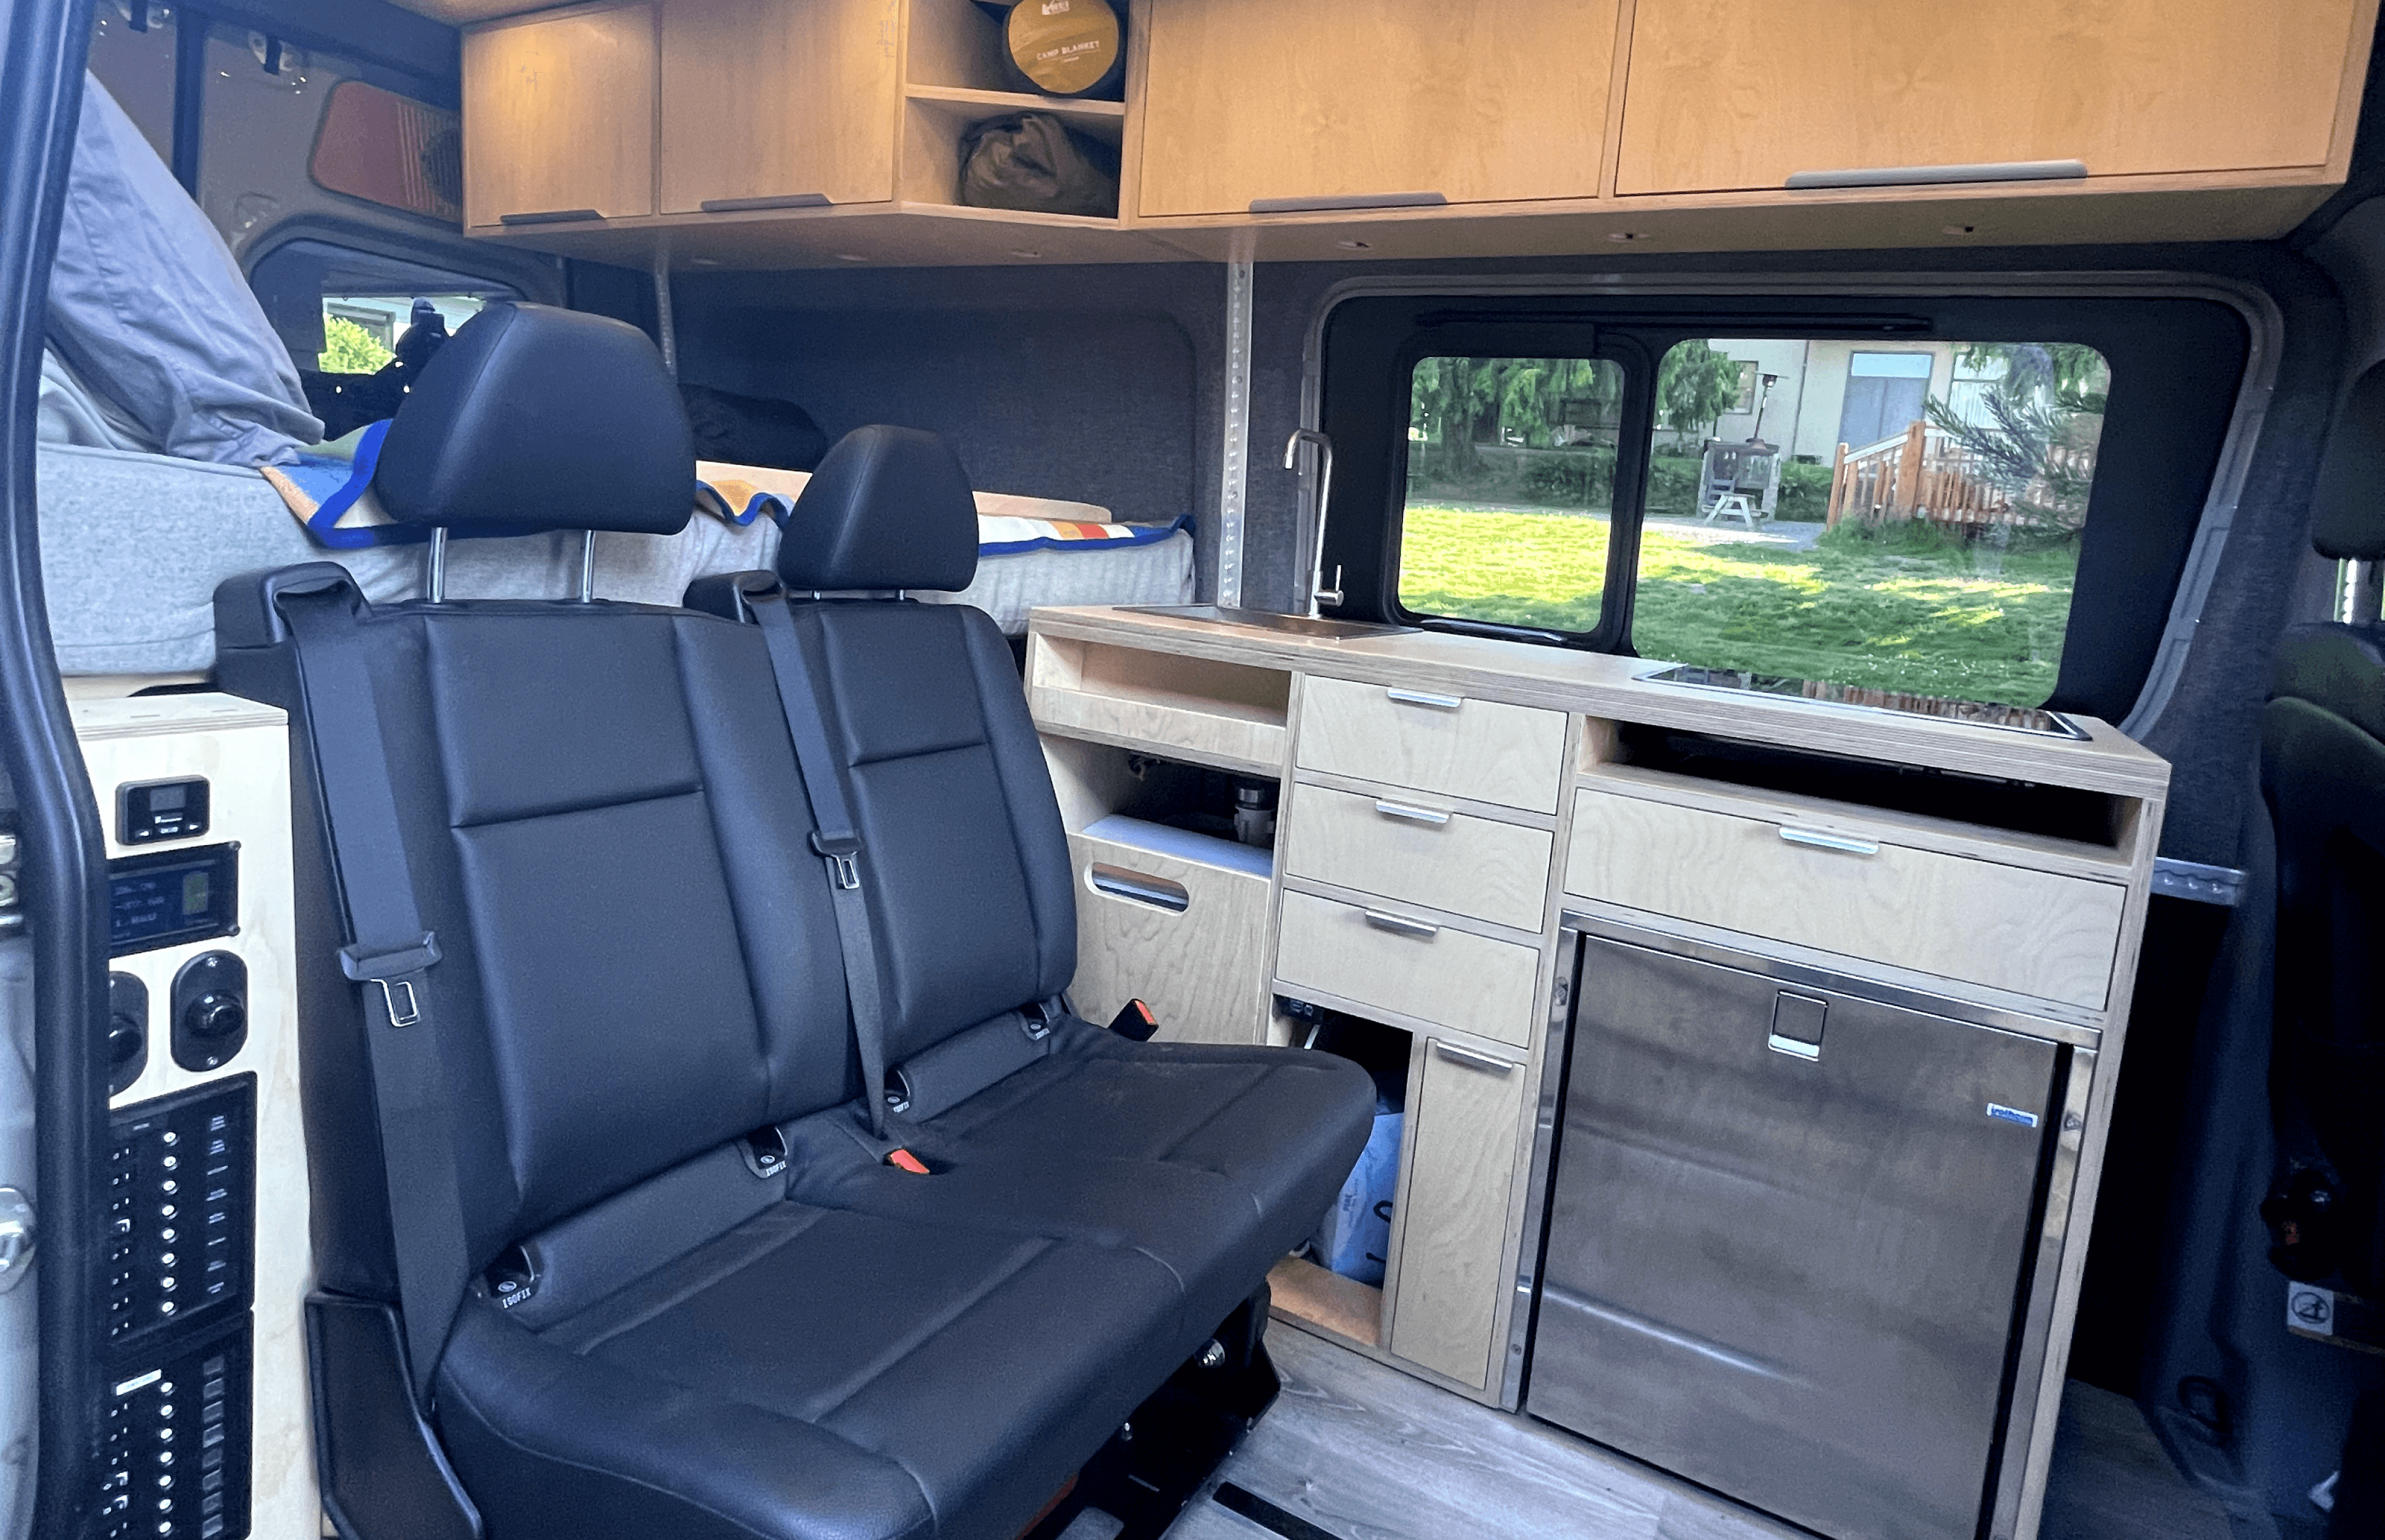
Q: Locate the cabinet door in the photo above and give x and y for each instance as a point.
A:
(777, 99)
(1272, 99)
(1454, 1217)
(559, 115)
(1722, 94)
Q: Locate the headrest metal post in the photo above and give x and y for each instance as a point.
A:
(588, 567)
(434, 581)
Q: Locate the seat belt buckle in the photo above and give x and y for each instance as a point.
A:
(839, 852)
(902, 1159)
(1037, 1020)
(387, 970)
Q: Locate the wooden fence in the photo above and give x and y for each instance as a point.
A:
(1922, 473)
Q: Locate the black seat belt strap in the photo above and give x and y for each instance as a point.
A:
(839, 844)
(390, 958)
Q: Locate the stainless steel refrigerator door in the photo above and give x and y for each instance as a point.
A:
(1787, 1238)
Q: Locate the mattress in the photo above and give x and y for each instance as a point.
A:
(133, 545)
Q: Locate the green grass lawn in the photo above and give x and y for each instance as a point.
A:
(1903, 611)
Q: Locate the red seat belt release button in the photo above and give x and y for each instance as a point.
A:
(902, 1159)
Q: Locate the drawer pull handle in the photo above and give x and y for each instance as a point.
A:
(1816, 841)
(748, 206)
(1158, 892)
(1432, 816)
(1400, 925)
(1472, 1059)
(1908, 176)
(550, 217)
(1420, 698)
(1810, 1053)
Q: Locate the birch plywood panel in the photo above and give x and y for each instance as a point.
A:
(1467, 865)
(2035, 933)
(1481, 749)
(1722, 95)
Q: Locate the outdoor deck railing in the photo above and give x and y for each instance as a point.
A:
(1920, 473)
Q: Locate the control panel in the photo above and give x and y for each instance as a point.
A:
(150, 811)
(202, 1204)
(168, 898)
(178, 1443)
(182, 1183)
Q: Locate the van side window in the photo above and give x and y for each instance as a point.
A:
(1510, 480)
(1897, 516)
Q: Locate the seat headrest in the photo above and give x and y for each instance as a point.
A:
(530, 418)
(2348, 502)
(889, 508)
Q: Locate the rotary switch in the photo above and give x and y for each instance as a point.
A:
(210, 1011)
(128, 1030)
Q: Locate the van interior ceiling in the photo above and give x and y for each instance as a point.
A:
(1115, 769)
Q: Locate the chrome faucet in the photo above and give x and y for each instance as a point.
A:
(1319, 594)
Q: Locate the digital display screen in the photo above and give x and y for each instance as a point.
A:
(162, 901)
(151, 812)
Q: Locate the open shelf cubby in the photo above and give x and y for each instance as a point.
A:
(958, 75)
(1303, 1289)
(1231, 716)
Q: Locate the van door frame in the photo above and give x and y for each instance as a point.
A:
(63, 855)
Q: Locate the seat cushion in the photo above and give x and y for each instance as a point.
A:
(1212, 1161)
(813, 1373)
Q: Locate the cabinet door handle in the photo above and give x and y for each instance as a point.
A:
(549, 217)
(1472, 1059)
(1433, 816)
(1400, 925)
(784, 200)
(1816, 839)
(1158, 892)
(1347, 200)
(1900, 176)
(1420, 698)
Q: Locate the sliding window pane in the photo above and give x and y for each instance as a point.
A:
(1510, 480)
(1898, 518)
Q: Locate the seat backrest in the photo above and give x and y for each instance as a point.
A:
(602, 815)
(2323, 777)
(972, 880)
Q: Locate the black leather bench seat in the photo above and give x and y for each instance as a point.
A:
(604, 826)
(816, 1372)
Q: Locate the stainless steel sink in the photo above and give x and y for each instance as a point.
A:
(1268, 620)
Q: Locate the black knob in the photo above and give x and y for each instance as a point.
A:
(217, 1015)
(125, 1041)
(128, 1030)
(210, 1011)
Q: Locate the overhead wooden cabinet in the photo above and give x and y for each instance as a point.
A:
(559, 116)
(1260, 102)
(1723, 95)
(767, 104)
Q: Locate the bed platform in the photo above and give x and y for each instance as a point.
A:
(133, 545)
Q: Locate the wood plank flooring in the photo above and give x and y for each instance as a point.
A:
(1364, 1452)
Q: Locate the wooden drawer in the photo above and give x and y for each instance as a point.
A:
(1201, 967)
(1420, 854)
(2035, 933)
(1461, 1170)
(1471, 983)
(1480, 750)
